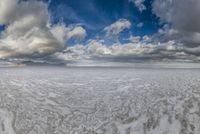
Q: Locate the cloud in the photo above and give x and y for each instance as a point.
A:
(28, 31)
(7, 7)
(183, 19)
(73, 53)
(33, 44)
(140, 50)
(134, 39)
(141, 24)
(139, 4)
(182, 15)
(117, 27)
(63, 33)
(77, 33)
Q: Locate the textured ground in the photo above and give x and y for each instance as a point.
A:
(52, 100)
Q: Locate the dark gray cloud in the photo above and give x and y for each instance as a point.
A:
(183, 19)
(183, 16)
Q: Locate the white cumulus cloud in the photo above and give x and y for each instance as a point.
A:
(139, 4)
(63, 33)
(28, 30)
(117, 27)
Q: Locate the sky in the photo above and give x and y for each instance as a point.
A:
(99, 31)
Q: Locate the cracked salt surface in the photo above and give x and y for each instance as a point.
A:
(53, 100)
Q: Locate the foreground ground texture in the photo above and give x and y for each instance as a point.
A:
(52, 100)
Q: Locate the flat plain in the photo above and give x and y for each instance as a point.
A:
(99, 100)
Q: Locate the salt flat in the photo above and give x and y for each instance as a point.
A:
(92, 100)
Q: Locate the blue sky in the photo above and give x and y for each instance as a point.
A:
(2, 27)
(94, 15)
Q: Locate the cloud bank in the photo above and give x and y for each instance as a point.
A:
(127, 52)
